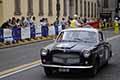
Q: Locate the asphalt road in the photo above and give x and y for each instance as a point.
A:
(12, 57)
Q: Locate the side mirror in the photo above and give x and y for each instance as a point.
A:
(101, 42)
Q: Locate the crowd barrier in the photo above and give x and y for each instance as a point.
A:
(94, 24)
(22, 33)
(33, 31)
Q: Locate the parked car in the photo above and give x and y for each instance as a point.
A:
(75, 50)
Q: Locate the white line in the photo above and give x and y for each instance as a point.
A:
(17, 71)
(112, 38)
(46, 41)
(7, 73)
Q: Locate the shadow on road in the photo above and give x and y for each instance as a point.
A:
(102, 73)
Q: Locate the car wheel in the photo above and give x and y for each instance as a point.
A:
(94, 70)
(48, 71)
(106, 56)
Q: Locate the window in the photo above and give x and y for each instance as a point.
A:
(41, 4)
(81, 6)
(17, 7)
(65, 8)
(88, 9)
(80, 36)
(105, 4)
(30, 8)
(76, 11)
(85, 8)
(50, 12)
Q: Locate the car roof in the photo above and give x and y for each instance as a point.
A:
(83, 29)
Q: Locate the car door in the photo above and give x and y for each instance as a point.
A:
(101, 48)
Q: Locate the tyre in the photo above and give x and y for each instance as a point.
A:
(48, 71)
(106, 56)
(94, 70)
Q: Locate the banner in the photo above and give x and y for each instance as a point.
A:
(44, 30)
(16, 33)
(32, 31)
(51, 30)
(38, 32)
(94, 24)
(1, 35)
(7, 34)
(25, 33)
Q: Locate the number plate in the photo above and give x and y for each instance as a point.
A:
(63, 70)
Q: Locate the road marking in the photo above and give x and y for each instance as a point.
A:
(19, 69)
(28, 66)
(112, 38)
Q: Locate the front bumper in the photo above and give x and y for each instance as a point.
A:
(70, 67)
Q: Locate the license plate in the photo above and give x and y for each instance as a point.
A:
(63, 70)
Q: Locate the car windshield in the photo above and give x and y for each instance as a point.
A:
(77, 36)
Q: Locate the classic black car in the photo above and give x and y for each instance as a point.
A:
(75, 50)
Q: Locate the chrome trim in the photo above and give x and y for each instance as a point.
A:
(59, 66)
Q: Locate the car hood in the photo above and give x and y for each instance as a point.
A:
(74, 46)
(65, 45)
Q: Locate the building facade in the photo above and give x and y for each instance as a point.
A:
(107, 8)
(47, 8)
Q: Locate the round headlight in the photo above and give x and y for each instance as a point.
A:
(44, 52)
(86, 54)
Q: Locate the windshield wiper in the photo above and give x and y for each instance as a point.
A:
(86, 41)
(64, 41)
(78, 39)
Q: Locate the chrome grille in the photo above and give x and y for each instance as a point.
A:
(66, 58)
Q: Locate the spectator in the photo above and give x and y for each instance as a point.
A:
(44, 27)
(13, 24)
(74, 22)
(22, 22)
(6, 24)
(63, 23)
(85, 20)
(33, 19)
(28, 22)
(69, 20)
(56, 24)
(41, 22)
(80, 20)
(18, 22)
